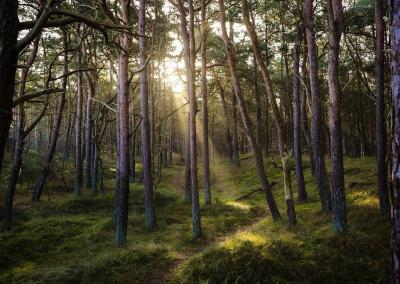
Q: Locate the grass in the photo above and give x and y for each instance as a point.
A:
(69, 239)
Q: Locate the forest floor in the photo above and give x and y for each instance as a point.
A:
(68, 239)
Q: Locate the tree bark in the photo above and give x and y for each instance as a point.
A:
(196, 222)
(279, 121)
(145, 126)
(78, 122)
(19, 139)
(301, 188)
(316, 118)
(8, 64)
(245, 117)
(122, 190)
(381, 137)
(55, 129)
(395, 210)
(89, 129)
(206, 152)
(335, 15)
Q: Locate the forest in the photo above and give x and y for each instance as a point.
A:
(199, 141)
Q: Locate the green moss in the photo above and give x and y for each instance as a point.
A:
(69, 239)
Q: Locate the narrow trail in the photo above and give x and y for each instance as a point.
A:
(182, 257)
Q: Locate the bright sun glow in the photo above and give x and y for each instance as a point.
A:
(174, 68)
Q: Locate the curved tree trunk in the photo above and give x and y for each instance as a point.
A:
(245, 117)
(55, 130)
(279, 121)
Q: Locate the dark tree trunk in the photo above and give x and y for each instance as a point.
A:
(335, 11)
(19, 139)
(395, 41)
(8, 64)
(206, 152)
(78, 124)
(245, 117)
(301, 188)
(145, 125)
(381, 138)
(279, 121)
(89, 129)
(316, 118)
(122, 189)
(55, 130)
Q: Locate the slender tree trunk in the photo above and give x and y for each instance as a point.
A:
(78, 124)
(395, 210)
(282, 143)
(89, 129)
(19, 139)
(304, 98)
(258, 105)
(245, 117)
(335, 16)
(122, 190)
(316, 118)
(226, 122)
(55, 130)
(185, 40)
(235, 138)
(145, 126)
(187, 189)
(196, 223)
(206, 153)
(8, 64)
(301, 188)
(381, 137)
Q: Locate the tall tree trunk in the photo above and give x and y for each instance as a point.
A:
(335, 15)
(395, 41)
(235, 136)
(316, 118)
(245, 117)
(19, 138)
(206, 152)
(185, 40)
(78, 122)
(89, 129)
(196, 223)
(122, 190)
(301, 188)
(381, 138)
(226, 122)
(8, 65)
(188, 179)
(279, 121)
(55, 129)
(145, 126)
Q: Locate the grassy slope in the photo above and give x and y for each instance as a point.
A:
(64, 239)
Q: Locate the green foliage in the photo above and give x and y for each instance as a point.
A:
(68, 239)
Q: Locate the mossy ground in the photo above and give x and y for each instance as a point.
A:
(69, 239)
